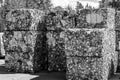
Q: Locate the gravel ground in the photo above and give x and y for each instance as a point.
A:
(13, 76)
(39, 76)
(20, 76)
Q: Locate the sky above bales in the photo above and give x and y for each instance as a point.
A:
(72, 3)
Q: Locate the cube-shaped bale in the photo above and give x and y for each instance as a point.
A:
(84, 43)
(102, 55)
(24, 51)
(56, 50)
(23, 20)
(92, 18)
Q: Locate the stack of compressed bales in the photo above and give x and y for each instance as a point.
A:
(83, 50)
(23, 40)
(22, 26)
(85, 18)
(88, 54)
(91, 52)
(55, 45)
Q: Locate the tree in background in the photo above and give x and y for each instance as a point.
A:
(87, 6)
(115, 4)
(79, 6)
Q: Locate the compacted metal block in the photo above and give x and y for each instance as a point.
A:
(90, 18)
(23, 19)
(24, 39)
(24, 51)
(90, 54)
(83, 43)
(90, 46)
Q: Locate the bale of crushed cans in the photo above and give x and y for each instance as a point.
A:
(83, 43)
(23, 51)
(23, 20)
(90, 18)
(90, 46)
(24, 39)
(90, 53)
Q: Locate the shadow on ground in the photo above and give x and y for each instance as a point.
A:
(50, 76)
(2, 68)
(44, 75)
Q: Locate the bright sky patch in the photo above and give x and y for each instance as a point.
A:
(72, 3)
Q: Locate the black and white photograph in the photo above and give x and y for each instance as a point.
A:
(59, 39)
